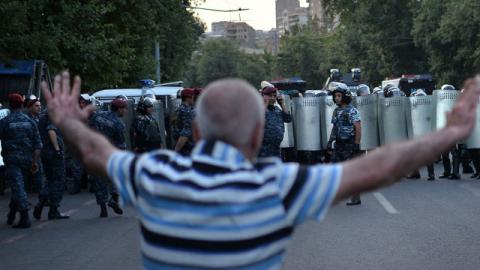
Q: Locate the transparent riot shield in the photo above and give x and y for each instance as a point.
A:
(128, 118)
(443, 102)
(326, 113)
(159, 115)
(473, 142)
(288, 137)
(306, 115)
(368, 108)
(173, 104)
(392, 120)
(419, 116)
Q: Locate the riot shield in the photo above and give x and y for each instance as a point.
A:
(392, 120)
(473, 142)
(288, 137)
(173, 104)
(368, 108)
(443, 101)
(419, 116)
(128, 118)
(159, 115)
(326, 113)
(306, 115)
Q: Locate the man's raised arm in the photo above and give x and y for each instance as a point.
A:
(65, 113)
(388, 164)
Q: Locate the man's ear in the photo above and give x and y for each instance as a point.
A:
(195, 132)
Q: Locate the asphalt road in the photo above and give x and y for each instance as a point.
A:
(413, 225)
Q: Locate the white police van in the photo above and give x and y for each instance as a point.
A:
(160, 91)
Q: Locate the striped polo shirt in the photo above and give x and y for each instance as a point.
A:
(217, 210)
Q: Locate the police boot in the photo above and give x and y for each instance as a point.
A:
(456, 169)
(37, 211)
(103, 210)
(24, 221)
(113, 203)
(12, 213)
(54, 214)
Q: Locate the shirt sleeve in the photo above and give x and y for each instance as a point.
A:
(121, 170)
(355, 115)
(308, 191)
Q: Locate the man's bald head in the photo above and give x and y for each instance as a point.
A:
(230, 110)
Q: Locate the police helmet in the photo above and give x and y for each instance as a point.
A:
(343, 89)
(448, 87)
(144, 103)
(418, 93)
(363, 90)
(392, 92)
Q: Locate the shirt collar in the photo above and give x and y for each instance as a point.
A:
(220, 153)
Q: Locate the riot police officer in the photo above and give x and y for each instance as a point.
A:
(451, 168)
(274, 122)
(21, 147)
(347, 131)
(185, 115)
(78, 176)
(146, 130)
(111, 126)
(53, 161)
(430, 168)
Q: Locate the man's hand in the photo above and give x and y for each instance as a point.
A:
(63, 101)
(65, 113)
(462, 117)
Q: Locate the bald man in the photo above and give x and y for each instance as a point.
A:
(219, 208)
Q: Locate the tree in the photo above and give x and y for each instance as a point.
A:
(302, 54)
(221, 58)
(448, 32)
(109, 43)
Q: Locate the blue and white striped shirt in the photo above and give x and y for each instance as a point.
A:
(215, 209)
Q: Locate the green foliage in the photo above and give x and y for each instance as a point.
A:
(388, 38)
(303, 55)
(109, 43)
(448, 32)
(220, 58)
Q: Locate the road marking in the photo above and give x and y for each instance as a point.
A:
(43, 224)
(87, 203)
(385, 203)
(468, 187)
(70, 212)
(13, 239)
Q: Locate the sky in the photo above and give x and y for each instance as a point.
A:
(261, 15)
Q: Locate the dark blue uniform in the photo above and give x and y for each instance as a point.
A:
(274, 131)
(343, 132)
(185, 116)
(38, 177)
(53, 161)
(146, 133)
(112, 127)
(20, 138)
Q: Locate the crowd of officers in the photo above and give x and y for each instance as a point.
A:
(34, 151)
